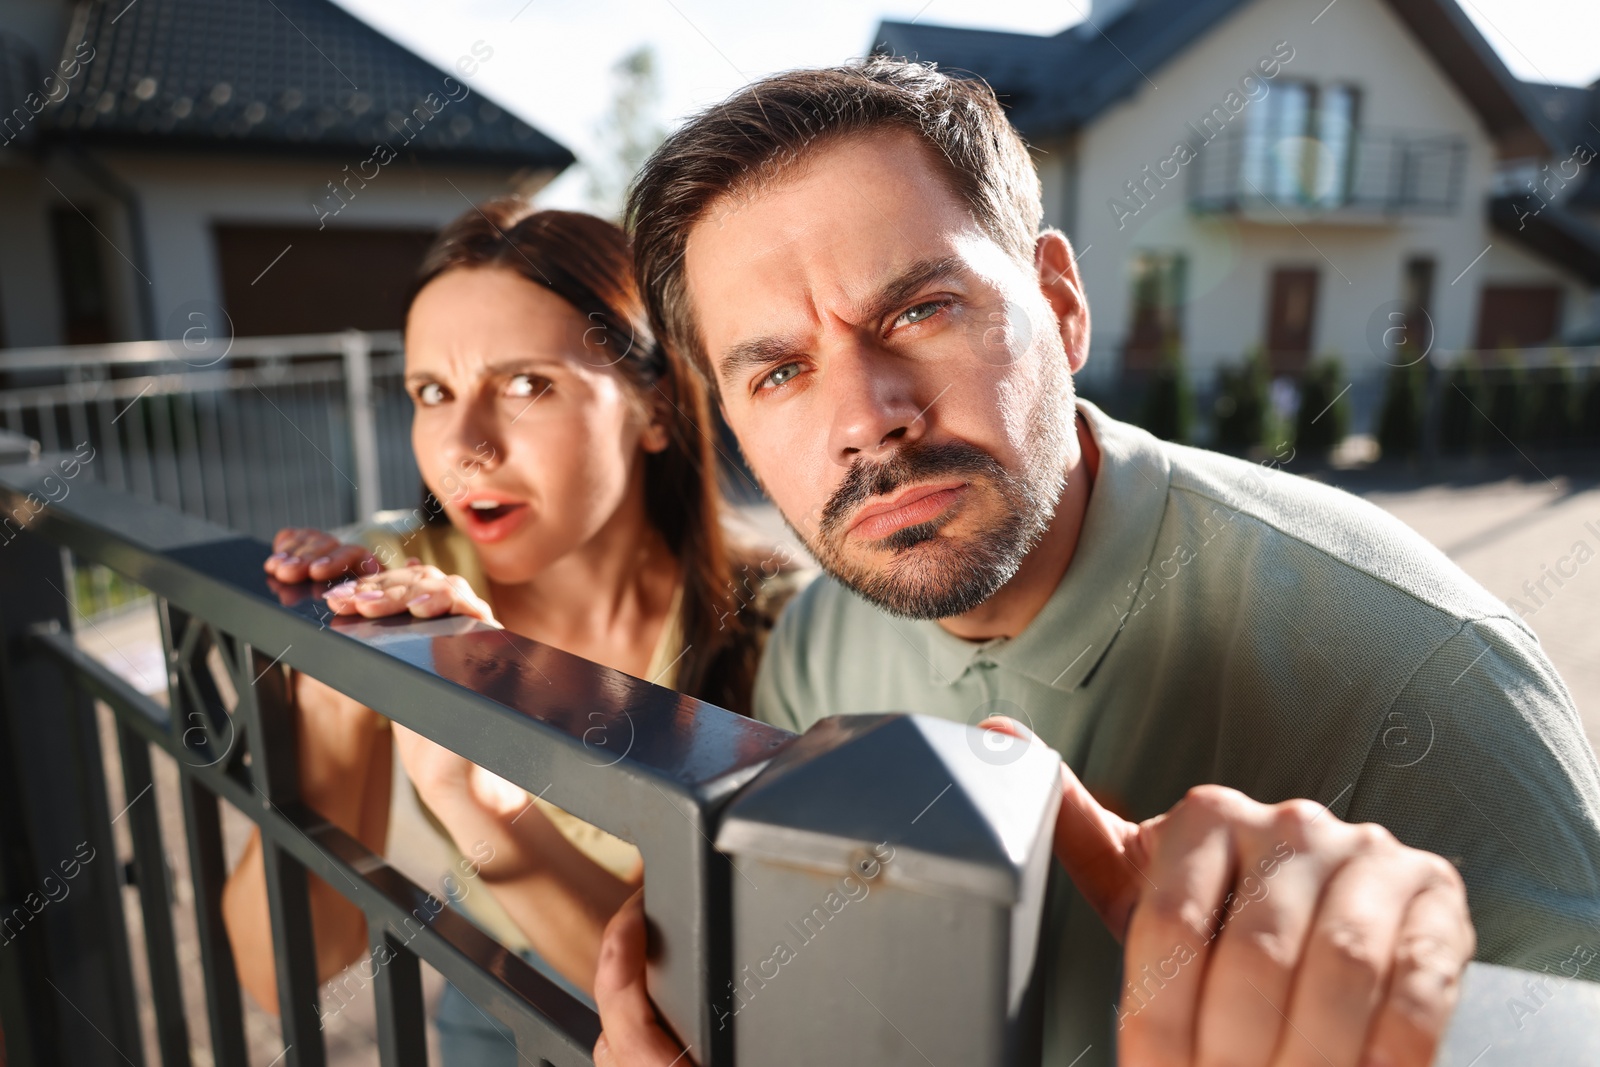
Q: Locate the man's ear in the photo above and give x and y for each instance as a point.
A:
(1061, 286)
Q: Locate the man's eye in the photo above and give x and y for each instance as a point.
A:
(430, 394)
(919, 312)
(781, 375)
(526, 385)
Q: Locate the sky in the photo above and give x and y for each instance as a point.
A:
(552, 59)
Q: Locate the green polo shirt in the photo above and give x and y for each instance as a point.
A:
(1222, 621)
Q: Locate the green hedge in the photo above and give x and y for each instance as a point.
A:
(1240, 410)
(1321, 421)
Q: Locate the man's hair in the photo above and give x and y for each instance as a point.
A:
(765, 130)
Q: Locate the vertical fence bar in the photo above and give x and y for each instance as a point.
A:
(357, 350)
(208, 867)
(155, 898)
(264, 702)
(79, 945)
(397, 990)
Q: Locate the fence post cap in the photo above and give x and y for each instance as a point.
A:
(955, 814)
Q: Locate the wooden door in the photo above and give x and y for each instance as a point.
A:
(1291, 319)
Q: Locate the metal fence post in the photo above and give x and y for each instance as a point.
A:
(61, 901)
(356, 347)
(890, 876)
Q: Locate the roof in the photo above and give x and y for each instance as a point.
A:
(1060, 83)
(274, 74)
(1552, 231)
(1575, 113)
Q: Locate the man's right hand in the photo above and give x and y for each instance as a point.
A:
(298, 554)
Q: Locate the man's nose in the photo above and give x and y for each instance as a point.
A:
(875, 402)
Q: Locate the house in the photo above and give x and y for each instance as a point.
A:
(272, 166)
(1304, 178)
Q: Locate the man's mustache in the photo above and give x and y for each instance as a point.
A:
(910, 464)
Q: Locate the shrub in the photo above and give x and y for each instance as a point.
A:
(1400, 418)
(1589, 409)
(1551, 400)
(1508, 404)
(1322, 420)
(1462, 401)
(1167, 409)
(1240, 409)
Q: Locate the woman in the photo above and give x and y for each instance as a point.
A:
(573, 500)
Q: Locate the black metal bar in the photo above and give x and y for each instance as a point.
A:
(397, 989)
(560, 1028)
(264, 705)
(528, 712)
(75, 946)
(208, 868)
(155, 897)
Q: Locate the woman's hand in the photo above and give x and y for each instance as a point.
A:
(424, 591)
(298, 554)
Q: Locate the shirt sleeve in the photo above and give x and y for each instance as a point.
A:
(1483, 760)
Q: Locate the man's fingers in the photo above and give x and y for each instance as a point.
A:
(1433, 947)
(632, 1035)
(1345, 964)
(1189, 872)
(1260, 931)
(1091, 842)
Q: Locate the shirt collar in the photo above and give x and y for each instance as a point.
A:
(1078, 624)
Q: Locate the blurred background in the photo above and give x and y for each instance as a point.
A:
(1357, 239)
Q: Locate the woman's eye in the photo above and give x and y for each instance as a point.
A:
(526, 385)
(430, 394)
(783, 374)
(919, 312)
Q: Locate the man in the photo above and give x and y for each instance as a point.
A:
(853, 258)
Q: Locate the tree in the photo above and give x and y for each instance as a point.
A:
(630, 131)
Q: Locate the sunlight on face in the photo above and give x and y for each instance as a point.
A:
(522, 432)
(898, 381)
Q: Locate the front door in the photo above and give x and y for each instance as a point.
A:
(1291, 316)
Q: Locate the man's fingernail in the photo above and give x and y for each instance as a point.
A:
(371, 594)
(277, 557)
(320, 560)
(414, 601)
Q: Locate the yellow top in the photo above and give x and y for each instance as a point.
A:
(394, 537)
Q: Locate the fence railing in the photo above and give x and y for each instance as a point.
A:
(254, 433)
(1379, 171)
(742, 827)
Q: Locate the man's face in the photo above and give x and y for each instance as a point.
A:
(898, 381)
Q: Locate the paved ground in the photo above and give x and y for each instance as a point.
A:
(1505, 524)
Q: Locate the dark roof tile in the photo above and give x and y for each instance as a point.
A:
(296, 74)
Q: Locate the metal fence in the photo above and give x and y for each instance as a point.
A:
(252, 433)
(709, 798)
(1385, 171)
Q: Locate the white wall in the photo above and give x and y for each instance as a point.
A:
(1230, 259)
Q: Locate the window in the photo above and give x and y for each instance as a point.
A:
(1158, 293)
(1300, 144)
(80, 271)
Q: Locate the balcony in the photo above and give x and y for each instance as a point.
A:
(1364, 176)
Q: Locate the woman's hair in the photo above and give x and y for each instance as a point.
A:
(588, 262)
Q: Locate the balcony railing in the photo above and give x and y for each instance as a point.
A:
(742, 827)
(1372, 173)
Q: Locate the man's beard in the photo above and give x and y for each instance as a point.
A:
(931, 576)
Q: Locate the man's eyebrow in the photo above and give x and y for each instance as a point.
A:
(765, 351)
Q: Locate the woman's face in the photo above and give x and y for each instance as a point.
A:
(522, 430)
